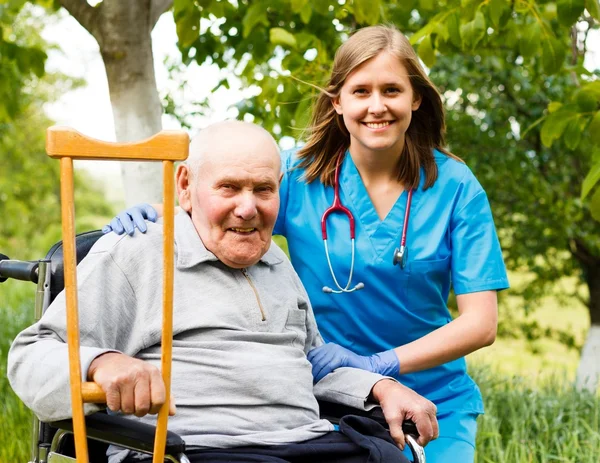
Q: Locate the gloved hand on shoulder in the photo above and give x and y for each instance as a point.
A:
(132, 218)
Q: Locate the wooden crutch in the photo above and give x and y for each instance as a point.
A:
(67, 144)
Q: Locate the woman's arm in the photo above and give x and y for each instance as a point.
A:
(474, 328)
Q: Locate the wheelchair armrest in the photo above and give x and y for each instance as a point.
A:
(334, 412)
(124, 432)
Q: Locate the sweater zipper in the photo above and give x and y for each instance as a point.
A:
(262, 311)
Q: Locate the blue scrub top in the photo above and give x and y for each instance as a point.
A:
(451, 239)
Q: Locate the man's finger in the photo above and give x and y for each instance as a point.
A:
(158, 393)
(424, 426)
(141, 393)
(172, 407)
(113, 398)
(396, 431)
(127, 398)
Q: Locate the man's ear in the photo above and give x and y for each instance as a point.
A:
(184, 193)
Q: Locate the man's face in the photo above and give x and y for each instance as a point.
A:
(234, 201)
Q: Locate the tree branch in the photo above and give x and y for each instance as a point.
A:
(157, 8)
(84, 13)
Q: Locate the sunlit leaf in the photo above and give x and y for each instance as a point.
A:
(555, 124)
(595, 205)
(591, 179)
(473, 31)
(569, 11)
(553, 54)
(279, 36)
(593, 8)
(426, 52)
(256, 14)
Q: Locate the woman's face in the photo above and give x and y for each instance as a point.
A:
(376, 103)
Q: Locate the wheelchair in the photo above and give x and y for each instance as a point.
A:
(53, 442)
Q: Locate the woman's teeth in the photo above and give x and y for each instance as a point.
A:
(377, 125)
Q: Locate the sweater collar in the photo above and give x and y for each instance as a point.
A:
(191, 250)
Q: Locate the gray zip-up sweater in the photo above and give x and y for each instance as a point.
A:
(240, 373)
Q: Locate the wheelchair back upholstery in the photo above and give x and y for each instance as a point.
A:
(83, 244)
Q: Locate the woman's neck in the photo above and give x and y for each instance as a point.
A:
(376, 167)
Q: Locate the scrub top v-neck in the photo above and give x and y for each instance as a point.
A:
(451, 239)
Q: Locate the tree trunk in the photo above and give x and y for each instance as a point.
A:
(122, 29)
(588, 373)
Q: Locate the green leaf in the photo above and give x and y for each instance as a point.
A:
(593, 7)
(473, 31)
(306, 13)
(569, 11)
(595, 205)
(426, 52)
(188, 27)
(529, 43)
(586, 99)
(279, 36)
(553, 55)
(555, 124)
(573, 131)
(427, 5)
(554, 106)
(591, 179)
(256, 14)
(594, 129)
(453, 24)
(298, 5)
(496, 9)
(367, 11)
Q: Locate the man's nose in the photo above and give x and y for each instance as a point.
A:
(246, 206)
(377, 103)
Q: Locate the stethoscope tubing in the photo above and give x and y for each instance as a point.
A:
(400, 254)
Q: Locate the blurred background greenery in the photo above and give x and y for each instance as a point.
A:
(523, 104)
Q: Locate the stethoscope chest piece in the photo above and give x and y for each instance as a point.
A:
(400, 256)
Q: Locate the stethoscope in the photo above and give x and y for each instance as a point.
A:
(400, 254)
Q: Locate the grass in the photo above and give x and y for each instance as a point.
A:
(16, 312)
(532, 413)
(550, 422)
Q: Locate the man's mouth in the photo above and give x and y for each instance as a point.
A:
(243, 230)
(377, 125)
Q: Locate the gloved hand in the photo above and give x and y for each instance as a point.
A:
(132, 218)
(328, 357)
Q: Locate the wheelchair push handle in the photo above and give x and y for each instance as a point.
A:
(18, 269)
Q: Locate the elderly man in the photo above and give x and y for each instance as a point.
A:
(242, 326)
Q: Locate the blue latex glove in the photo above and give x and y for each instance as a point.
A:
(132, 218)
(328, 357)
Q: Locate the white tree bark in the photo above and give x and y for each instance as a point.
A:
(122, 30)
(588, 373)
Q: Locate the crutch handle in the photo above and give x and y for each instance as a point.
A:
(167, 145)
(92, 393)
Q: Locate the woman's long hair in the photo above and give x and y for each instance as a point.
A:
(328, 136)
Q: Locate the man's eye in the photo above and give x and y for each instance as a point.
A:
(264, 189)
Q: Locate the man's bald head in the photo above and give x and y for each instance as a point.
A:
(229, 140)
(230, 188)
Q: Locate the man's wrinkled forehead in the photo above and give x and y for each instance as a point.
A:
(232, 141)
